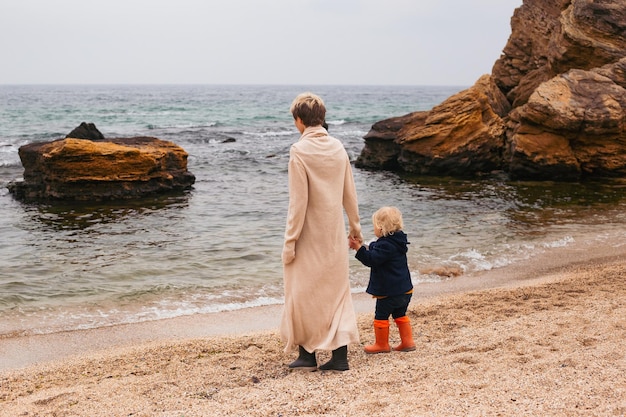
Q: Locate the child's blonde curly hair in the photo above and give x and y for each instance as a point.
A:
(388, 220)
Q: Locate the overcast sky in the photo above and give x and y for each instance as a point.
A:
(380, 42)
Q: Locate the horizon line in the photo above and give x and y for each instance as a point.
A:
(231, 84)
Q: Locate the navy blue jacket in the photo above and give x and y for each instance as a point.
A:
(386, 257)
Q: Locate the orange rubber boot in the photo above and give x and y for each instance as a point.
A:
(381, 332)
(406, 335)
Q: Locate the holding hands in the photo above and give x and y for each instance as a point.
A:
(354, 243)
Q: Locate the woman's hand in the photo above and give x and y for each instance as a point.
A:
(354, 243)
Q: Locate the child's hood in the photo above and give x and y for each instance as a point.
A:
(399, 239)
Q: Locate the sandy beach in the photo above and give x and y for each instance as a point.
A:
(546, 341)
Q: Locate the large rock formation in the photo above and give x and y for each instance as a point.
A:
(463, 134)
(554, 106)
(83, 169)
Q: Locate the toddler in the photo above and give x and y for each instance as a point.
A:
(390, 279)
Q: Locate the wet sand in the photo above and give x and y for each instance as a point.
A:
(545, 337)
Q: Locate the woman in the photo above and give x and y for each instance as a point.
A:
(318, 312)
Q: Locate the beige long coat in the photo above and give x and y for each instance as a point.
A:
(318, 311)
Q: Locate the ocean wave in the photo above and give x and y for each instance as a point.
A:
(473, 260)
(271, 134)
(66, 319)
(13, 162)
(559, 243)
(349, 133)
(180, 126)
(9, 154)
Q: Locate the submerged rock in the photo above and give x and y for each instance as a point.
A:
(554, 106)
(120, 168)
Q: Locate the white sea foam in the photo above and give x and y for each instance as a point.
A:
(565, 241)
(271, 134)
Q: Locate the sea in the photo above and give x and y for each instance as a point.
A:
(217, 246)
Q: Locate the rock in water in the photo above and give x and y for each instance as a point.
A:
(110, 169)
(86, 131)
(462, 136)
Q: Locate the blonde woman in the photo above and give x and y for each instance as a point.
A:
(390, 279)
(318, 313)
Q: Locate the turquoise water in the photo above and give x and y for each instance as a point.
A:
(217, 247)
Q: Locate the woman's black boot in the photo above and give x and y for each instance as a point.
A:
(305, 360)
(339, 361)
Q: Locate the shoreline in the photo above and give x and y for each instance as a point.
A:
(23, 351)
(547, 343)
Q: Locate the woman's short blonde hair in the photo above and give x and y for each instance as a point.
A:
(309, 108)
(388, 219)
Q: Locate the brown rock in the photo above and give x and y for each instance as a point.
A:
(80, 169)
(86, 131)
(381, 150)
(550, 37)
(554, 106)
(591, 34)
(572, 126)
(464, 134)
(524, 63)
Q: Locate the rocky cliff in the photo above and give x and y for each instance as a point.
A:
(554, 106)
